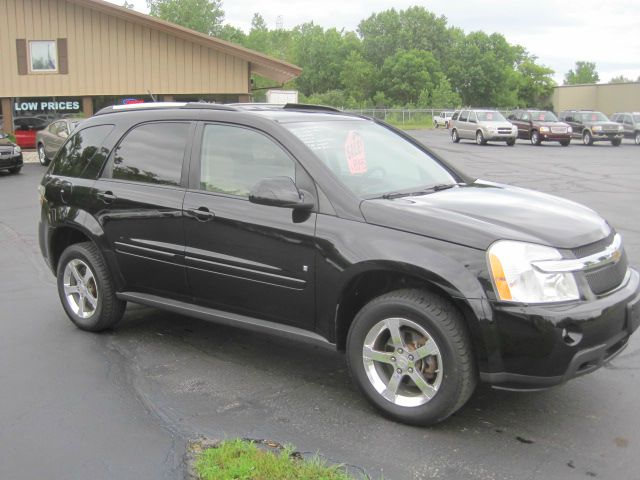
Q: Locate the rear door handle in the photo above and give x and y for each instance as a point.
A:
(202, 214)
(106, 197)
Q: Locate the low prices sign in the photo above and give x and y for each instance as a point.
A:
(355, 154)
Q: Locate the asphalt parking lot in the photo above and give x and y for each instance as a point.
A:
(121, 405)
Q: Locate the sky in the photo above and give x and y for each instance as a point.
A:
(559, 33)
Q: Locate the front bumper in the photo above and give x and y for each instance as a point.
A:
(554, 137)
(604, 136)
(495, 137)
(11, 161)
(543, 346)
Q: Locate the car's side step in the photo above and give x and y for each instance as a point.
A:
(225, 318)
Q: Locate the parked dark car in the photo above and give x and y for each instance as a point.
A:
(592, 126)
(630, 123)
(540, 126)
(340, 230)
(50, 139)
(10, 155)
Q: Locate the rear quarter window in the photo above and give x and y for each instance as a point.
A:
(82, 155)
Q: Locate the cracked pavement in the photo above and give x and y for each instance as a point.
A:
(122, 404)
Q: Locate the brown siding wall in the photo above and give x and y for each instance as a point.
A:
(607, 97)
(107, 55)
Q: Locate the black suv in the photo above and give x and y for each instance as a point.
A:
(10, 155)
(341, 230)
(592, 126)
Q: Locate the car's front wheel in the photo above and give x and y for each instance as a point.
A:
(42, 156)
(637, 138)
(86, 288)
(480, 138)
(587, 138)
(15, 169)
(565, 143)
(455, 138)
(410, 354)
(535, 138)
(616, 142)
(511, 142)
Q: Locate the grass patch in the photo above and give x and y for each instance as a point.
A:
(413, 125)
(241, 460)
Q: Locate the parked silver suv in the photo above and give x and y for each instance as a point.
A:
(483, 126)
(631, 123)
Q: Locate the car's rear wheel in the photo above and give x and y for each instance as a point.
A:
(480, 138)
(15, 169)
(565, 143)
(86, 288)
(616, 142)
(535, 138)
(587, 138)
(410, 354)
(455, 138)
(42, 156)
(637, 138)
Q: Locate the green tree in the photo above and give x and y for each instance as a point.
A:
(621, 79)
(405, 74)
(585, 72)
(204, 16)
(358, 76)
(443, 96)
(535, 84)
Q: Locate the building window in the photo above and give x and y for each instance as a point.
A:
(43, 55)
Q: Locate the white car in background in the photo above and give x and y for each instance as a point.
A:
(442, 120)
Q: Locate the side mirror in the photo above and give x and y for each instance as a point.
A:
(280, 192)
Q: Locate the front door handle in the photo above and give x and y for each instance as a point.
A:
(202, 214)
(106, 197)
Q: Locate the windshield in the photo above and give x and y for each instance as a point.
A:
(594, 117)
(544, 117)
(370, 160)
(490, 117)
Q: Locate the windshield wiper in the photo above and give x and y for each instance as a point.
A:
(423, 191)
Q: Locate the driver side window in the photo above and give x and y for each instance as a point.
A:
(233, 159)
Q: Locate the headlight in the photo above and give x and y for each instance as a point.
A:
(620, 128)
(569, 129)
(515, 279)
(597, 128)
(544, 129)
(16, 150)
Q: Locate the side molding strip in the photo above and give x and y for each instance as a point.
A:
(226, 318)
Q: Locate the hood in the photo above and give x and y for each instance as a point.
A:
(5, 142)
(605, 125)
(549, 124)
(495, 124)
(478, 214)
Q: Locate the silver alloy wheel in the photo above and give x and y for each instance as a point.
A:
(80, 288)
(41, 155)
(402, 361)
(534, 138)
(479, 138)
(454, 135)
(637, 138)
(586, 138)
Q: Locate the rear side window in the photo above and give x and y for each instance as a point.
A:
(80, 155)
(150, 153)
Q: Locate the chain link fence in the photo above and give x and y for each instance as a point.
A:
(406, 116)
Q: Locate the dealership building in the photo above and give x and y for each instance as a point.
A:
(73, 57)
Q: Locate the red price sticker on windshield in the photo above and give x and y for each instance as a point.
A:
(354, 151)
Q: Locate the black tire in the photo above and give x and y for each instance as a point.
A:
(108, 310)
(480, 138)
(535, 138)
(42, 156)
(511, 142)
(437, 125)
(616, 142)
(455, 138)
(587, 138)
(444, 324)
(15, 169)
(565, 143)
(637, 137)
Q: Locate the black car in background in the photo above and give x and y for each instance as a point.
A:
(630, 122)
(10, 155)
(592, 126)
(331, 228)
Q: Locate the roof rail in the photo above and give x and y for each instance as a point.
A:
(159, 105)
(306, 106)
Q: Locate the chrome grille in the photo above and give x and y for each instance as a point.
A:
(504, 130)
(609, 277)
(595, 247)
(558, 129)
